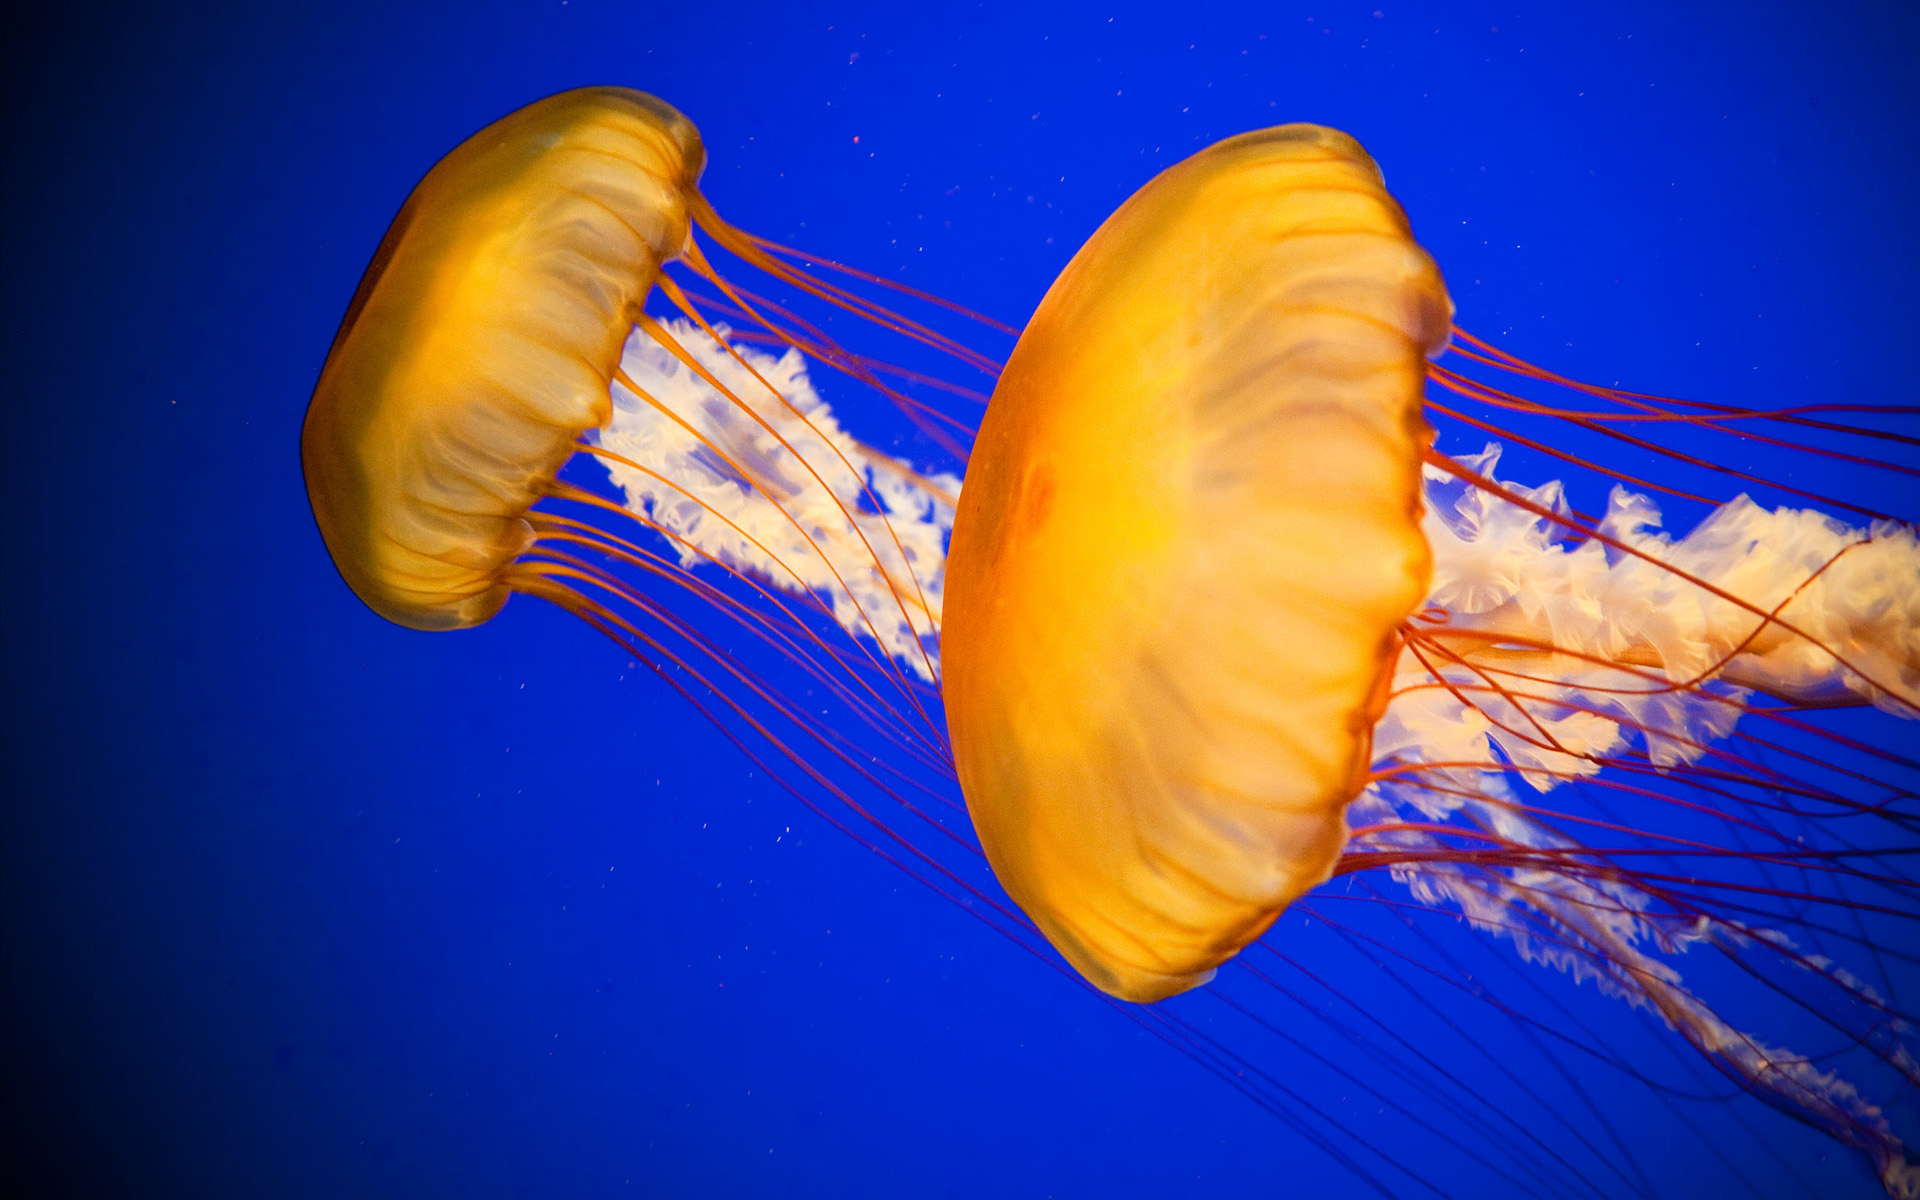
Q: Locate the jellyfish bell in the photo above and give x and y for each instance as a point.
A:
(482, 343)
(1189, 536)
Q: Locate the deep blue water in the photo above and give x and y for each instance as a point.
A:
(297, 903)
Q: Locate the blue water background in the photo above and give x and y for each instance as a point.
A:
(301, 904)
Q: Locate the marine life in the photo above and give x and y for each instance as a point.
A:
(1220, 622)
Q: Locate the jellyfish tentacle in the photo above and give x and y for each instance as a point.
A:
(925, 663)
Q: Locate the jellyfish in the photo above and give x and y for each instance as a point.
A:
(485, 342)
(1200, 621)
(1215, 621)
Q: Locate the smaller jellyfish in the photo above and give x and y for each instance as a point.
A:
(484, 348)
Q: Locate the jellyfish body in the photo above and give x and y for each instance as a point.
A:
(1195, 572)
(482, 342)
(1189, 534)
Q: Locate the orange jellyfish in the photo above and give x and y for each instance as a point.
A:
(1211, 637)
(483, 342)
(1218, 622)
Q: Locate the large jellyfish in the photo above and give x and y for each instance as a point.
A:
(1219, 622)
(1205, 616)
